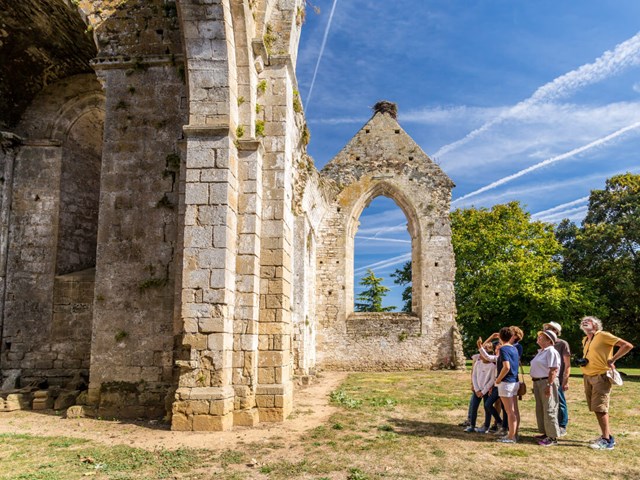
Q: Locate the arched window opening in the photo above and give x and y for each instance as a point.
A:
(382, 259)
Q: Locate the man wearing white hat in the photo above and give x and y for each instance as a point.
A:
(563, 375)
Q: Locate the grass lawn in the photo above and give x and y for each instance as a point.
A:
(388, 425)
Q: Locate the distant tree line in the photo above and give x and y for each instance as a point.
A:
(512, 270)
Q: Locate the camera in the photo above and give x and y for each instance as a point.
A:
(582, 362)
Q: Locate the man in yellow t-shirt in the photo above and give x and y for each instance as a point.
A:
(597, 349)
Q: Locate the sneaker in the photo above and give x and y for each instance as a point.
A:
(501, 432)
(542, 436)
(563, 431)
(494, 428)
(482, 429)
(594, 440)
(469, 429)
(603, 444)
(548, 442)
(506, 440)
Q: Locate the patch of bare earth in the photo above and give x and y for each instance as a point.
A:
(311, 409)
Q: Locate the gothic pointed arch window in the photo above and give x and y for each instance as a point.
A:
(382, 237)
(382, 245)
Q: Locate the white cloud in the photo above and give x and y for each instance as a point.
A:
(624, 55)
(636, 87)
(557, 158)
(545, 129)
(453, 114)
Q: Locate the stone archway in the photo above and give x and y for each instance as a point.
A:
(51, 253)
(387, 189)
(383, 160)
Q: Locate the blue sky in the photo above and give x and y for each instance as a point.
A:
(535, 101)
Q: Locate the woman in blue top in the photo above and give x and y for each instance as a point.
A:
(507, 381)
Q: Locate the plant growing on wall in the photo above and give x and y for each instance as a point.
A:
(305, 136)
(370, 300)
(297, 104)
(269, 38)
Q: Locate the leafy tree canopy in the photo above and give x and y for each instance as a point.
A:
(370, 299)
(402, 276)
(508, 272)
(605, 252)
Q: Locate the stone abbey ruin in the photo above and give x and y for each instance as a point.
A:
(164, 235)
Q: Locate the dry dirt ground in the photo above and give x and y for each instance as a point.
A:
(311, 409)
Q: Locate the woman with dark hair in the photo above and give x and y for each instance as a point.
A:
(507, 381)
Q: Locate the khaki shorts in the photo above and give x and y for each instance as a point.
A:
(597, 389)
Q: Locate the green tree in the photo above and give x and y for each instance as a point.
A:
(508, 272)
(605, 252)
(402, 276)
(370, 300)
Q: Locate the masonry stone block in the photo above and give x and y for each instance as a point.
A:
(207, 423)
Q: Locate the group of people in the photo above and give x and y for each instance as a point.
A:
(495, 382)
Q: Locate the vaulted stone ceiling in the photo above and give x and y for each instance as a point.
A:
(41, 41)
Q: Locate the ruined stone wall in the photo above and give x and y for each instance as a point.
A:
(79, 197)
(9, 148)
(72, 320)
(383, 160)
(63, 116)
(223, 259)
(310, 206)
(30, 264)
(137, 257)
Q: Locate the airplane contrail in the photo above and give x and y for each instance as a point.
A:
(548, 161)
(624, 55)
(385, 263)
(560, 207)
(570, 213)
(324, 42)
(382, 239)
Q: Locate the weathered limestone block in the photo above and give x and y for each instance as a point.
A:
(65, 399)
(81, 411)
(42, 400)
(15, 401)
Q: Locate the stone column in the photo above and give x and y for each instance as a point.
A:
(9, 148)
(245, 355)
(275, 389)
(205, 396)
(35, 200)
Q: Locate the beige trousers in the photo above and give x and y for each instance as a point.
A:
(547, 408)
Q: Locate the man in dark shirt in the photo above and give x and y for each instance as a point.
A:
(563, 375)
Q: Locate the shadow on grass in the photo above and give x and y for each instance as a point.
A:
(418, 428)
